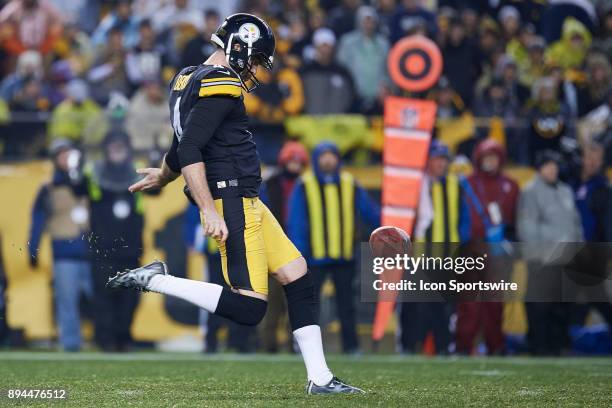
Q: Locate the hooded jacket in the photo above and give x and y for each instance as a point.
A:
(562, 52)
(298, 222)
(491, 188)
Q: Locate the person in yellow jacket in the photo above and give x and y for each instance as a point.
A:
(569, 52)
(321, 222)
(71, 118)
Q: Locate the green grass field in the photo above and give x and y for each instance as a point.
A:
(228, 380)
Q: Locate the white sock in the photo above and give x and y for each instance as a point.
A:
(311, 347)
(202, 294)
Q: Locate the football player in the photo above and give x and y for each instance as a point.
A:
(214, 152)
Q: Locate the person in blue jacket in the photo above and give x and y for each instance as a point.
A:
(62, 209)
(322, 223)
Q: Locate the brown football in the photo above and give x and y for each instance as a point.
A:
(389, 241)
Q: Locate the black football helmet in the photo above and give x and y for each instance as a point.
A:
(247, 40)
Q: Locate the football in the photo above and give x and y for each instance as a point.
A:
(389, 241)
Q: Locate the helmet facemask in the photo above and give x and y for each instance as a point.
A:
(248, 77)
(244, 58)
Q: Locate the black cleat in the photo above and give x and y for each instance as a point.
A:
(335, 386)
(137, 278)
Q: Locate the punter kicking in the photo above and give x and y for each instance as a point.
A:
(215, 153)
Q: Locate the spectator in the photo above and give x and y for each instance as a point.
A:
(321, 223)
(121, 19)
(147, 60)
(597, 126)
(599, 78)
(29, 66)
(591, 193)
(32, 97)
(590, 186)
(148, 118)
(275, 193)
(72, 117)
(410, 14)
(603, 42)
(199, 48)
(510, 20)
(386, 11)
(547, 214)
(458, 52)
(507, 70)
(570, 51)
(364, 53)
(82, 14)
(566, 90)
(117, 224)
(177, 23)
(342, 17)
(439, 189)
(75, 49)
(496, 104)
(534, 65)
(62, 209)
(175, 14)
(280, 94)
(549, 117)
(450, 104)
(29, 25)
(470, 19)
(493, 200)
(518, 47)
(328, 87)
(108, 73)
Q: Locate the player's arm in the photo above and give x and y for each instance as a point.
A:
(202, 122)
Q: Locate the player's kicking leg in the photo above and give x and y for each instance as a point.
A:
(248, 310)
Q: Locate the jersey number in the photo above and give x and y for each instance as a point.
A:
(176, 119)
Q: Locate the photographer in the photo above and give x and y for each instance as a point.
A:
(62, 209)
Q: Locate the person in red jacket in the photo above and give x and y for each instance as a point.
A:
(493, 202)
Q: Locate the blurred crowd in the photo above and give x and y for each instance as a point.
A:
(535, 77)
(538, 72)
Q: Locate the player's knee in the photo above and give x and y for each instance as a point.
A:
(254, 310)
(291, 272)
(241, 309)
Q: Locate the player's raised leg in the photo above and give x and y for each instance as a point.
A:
(154, 277)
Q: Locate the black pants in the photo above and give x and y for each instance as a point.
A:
(548, 319)
(113, 310)
(548, 327)
(240, 338)
(417, 319)
(343, 276)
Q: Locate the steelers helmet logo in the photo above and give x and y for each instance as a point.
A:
(415, 63)
(249, 32)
